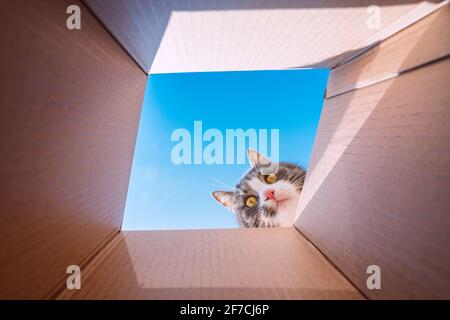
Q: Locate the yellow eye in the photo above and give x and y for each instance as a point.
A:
(271, 178)
(251, 202)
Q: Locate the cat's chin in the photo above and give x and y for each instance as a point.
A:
(285, 212)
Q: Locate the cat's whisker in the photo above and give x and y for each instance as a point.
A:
(296, 176)
(216, 186)
(258, 216)
(293, 180)
(259, 221)
(224, 184)
(299, 179)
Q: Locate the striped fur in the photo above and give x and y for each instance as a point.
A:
(289, 184)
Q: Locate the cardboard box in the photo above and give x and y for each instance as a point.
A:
(376, 192)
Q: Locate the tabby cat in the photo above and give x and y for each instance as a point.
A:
(267, 195)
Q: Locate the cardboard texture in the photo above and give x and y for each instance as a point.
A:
(199, 35)
(376, 191)
(70, 105)
(213, 264)
(424, 41)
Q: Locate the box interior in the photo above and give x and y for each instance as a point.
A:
(375, 194)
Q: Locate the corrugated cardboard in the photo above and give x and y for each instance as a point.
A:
(199, 35)
(422, 42)
(70, 105)
(376, 191)
(213, 264)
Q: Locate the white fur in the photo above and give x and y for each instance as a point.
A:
(287, 196)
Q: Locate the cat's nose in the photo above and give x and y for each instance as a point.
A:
(269, 194)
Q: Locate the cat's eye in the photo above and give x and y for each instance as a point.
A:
(271, 178)
(251, 201)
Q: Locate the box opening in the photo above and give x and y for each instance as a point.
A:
(194, 133)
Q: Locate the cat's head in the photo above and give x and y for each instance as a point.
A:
(267, 195)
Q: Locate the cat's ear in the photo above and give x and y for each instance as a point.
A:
(225, 198)
(256, 158)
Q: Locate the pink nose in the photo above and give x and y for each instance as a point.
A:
(269, 194)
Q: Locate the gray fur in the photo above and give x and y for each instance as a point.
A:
(262, 215)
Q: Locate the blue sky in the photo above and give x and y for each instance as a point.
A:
(163, 195)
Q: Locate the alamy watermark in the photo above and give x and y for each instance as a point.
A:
(213, 146)
(373, 22)
(73, 21)
(74, 280)
(374, 280)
